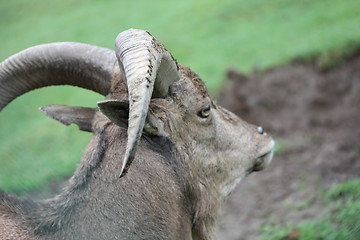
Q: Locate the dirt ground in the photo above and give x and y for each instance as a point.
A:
(315, 118)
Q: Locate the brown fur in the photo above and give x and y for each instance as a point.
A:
(10, 223)
(10, 228)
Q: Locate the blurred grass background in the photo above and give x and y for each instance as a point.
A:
(207, 35)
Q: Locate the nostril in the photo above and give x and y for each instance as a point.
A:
(261, 130)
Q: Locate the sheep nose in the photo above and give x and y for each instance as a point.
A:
(261, 130)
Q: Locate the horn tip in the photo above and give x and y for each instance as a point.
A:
(124, 167)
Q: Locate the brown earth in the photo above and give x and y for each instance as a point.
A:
(315, 118)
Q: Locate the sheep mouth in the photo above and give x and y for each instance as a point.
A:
(264, 160)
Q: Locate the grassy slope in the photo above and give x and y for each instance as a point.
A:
(341, 224)
(208, 35)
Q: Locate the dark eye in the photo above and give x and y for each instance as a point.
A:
(205, 112)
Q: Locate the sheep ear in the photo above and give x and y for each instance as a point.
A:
(81, 116)
(117, 111)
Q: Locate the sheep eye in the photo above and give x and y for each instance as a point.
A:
(205, 112)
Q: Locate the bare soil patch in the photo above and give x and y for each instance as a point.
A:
(315, 118)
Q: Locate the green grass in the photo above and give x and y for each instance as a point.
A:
(207, 35)
(35, 149)
(342, 223)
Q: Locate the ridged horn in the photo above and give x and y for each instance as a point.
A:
(64, 63)
(149, 70)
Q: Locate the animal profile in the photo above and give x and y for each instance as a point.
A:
(162, 157)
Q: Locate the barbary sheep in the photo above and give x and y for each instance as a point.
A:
(163, 155)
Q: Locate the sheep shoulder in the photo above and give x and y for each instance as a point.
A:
(10, 224)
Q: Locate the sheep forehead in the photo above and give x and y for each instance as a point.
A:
(197, 84)
(190, 91)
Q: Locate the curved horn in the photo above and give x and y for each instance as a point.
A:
(65, 63)
(149, 69)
